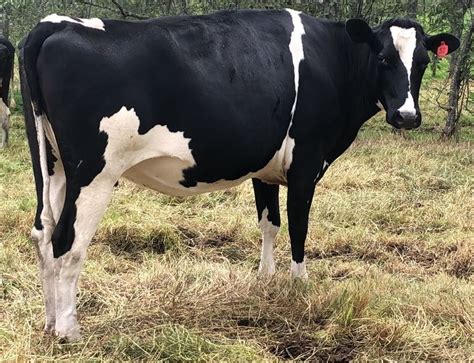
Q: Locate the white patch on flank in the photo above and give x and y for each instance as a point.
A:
(298, 270)
(269, 231)
(404, 41)
(156, 159)
(297, 54)
(94, 23)
(4, 121)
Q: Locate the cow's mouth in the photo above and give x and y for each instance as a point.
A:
(404, 121)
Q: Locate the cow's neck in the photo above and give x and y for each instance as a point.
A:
(358, 90)
(361, 82)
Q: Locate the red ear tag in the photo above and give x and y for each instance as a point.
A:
(442, 50)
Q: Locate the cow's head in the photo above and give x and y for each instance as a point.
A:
(401, 50)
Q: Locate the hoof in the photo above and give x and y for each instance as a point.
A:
(266, 270)
(69, 336)
(298, 271)
(48, 329)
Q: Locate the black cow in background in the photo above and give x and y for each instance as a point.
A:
(7, 53)
(187, 105)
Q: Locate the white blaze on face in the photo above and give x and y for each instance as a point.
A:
(404, 41)
(94, 23)
(269, 231)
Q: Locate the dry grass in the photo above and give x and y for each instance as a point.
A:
(389, 250)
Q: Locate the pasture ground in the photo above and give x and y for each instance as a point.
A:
(389, 254)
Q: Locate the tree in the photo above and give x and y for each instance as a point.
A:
(459, 83)
(456, 14)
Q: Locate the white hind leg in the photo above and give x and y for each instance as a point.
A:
(4, 122)
(90, 206)
(52, 190)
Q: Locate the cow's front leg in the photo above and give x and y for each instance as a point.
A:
(301, 184)
(79, 219)
(268, 210)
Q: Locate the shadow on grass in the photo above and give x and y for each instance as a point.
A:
(132, 242)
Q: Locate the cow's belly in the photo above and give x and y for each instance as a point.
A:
(164, 174)
(159, 158)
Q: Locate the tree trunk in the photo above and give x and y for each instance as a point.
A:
(460, 75)
(456, 21)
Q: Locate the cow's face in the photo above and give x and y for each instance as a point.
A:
(401, 50)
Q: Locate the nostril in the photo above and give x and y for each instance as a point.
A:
(408, 115)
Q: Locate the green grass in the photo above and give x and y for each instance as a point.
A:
(389, 253)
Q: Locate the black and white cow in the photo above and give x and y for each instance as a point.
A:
(7, 53)
(188, 105)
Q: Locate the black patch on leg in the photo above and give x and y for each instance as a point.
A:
(266, 196)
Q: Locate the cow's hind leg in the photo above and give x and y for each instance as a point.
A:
(5, 121)
(50, 191)
(83, 208)
(268, 210)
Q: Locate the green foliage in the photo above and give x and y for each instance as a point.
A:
(435, 15)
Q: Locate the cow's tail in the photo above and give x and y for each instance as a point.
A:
(34, 113)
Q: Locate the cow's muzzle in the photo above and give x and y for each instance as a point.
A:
(407, 121)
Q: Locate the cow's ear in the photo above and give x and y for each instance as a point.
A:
(434, 42)
(359, 31)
